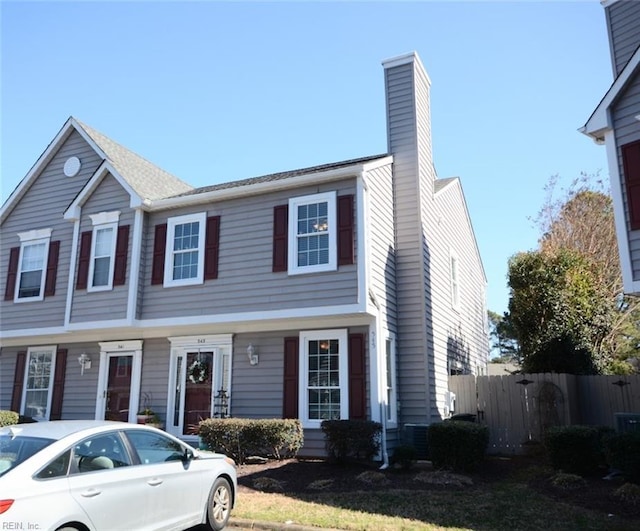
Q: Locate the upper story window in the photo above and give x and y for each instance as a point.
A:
(103, 250)
(312, 233)
(34, 249)
(184, 257)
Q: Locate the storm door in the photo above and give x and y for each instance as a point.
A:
(199, 376)
(118, 392)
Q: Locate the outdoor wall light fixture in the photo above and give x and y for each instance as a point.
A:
(85, 362)
(252, 354)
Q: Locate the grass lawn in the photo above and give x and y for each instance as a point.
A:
(515, 500)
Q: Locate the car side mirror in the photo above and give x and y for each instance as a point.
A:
(188, 455)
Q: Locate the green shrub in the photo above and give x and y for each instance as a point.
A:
(8, 418)
(241, 438)
(623, 453)
(576, 449)
(404, 455)
(351, 439)
(457, 445)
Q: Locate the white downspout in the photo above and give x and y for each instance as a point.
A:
(381, 392)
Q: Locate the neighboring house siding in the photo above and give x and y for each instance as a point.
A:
(461, 334)
(111, 304)
(622, 18)
(245, 280)
(627, 130)
(405, 129)
(382, 237)
(41, 207)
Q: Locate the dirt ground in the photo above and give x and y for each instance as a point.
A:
(299, 475)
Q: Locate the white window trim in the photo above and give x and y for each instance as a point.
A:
(392, 406)
(303, 395)
(52, 349)
(33, 237)
(103, 220)
(454, 280)
(294, 203)
(169, 282)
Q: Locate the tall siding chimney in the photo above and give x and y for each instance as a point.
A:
(407, 88)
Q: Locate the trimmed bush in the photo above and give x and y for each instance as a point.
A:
(576, 449)
(8, 418)
(457, 445)
(623, 453)
(241, 438)
(351, 439)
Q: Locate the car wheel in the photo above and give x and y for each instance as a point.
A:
(67, 528)
(219, 504)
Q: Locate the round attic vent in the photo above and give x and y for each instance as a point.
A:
(72, 166)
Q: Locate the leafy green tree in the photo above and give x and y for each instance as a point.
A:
(558, 313)
(578, 243)
(503, 342)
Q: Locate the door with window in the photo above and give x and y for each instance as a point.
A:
(118, 391)
(199, 384)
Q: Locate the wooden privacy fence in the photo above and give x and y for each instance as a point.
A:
(519, 408)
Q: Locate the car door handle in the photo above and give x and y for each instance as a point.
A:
(154, 482)
(90, 493)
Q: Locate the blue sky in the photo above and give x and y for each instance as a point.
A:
(218, 91)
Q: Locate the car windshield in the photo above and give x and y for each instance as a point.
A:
(15, 450)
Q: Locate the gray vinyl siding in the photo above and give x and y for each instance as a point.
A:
(623, 19)
(154, 383)
(460, 332)
(42, 207)
(245, 280)
(381, 234)
(627, 129)
(89, 306)
(408, 112)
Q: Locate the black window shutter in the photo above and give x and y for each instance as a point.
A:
(12, 274)
(280, 238)
(631, 165)
(52, 269)
(212, 248)
(357, 377)
(159, 246)
(18, 381)
(290, 394)
(345, 230)
(122, 251)
(58, 385)
(84, 259)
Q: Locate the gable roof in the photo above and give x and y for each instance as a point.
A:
(600, 120)
(143, 178)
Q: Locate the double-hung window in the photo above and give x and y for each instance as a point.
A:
(103, 249)
(38, 382)
(34, 249)
(312, 233)
(324, 376)
(184, 258)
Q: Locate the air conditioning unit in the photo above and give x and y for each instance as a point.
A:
(416, 435)
(626, 422)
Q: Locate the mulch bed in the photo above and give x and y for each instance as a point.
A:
(296, 476)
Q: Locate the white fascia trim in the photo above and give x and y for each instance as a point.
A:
(259, 188)
(134, 269)
(600, 120)
(296, 313)
(378, 163)
(607, 3)
(75, 209)
(29, 334)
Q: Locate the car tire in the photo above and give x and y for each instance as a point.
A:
(67, 528)
(219, 504)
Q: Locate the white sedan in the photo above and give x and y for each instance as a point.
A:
(77, 475)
